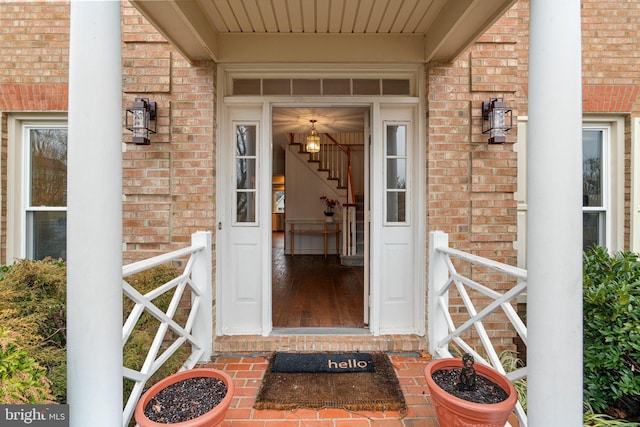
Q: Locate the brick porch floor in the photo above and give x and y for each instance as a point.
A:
(247, 372)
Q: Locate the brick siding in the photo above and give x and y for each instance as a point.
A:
(170, 186)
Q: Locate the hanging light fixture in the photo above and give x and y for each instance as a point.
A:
(496, 120)
(141, 120)
(313, 140)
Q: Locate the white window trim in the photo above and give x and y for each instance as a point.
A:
(613, 181)
(16, 193)
(635, 186)
(614, 163)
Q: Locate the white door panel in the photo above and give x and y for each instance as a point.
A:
(241, 243)
(394, 272)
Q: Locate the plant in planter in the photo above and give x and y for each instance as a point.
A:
(466, 394)
(192, 398)
(330, 205)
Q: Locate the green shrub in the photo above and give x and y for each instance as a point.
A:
(33, 307)
(612, 332)
(22, 380)
(32, 304)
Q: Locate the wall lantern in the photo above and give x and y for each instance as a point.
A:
(313, 140)
(496, 120)
(141, 120)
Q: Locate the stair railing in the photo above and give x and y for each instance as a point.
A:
(335, 159)
(349, 208)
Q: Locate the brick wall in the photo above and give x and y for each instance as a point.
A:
(169, 186)
(34, 41)
(470, 183)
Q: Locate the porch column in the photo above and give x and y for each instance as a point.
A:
(94, 231)
(554, 235)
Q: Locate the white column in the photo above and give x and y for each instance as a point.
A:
(554, 235)
(201, 274)
(94, 234)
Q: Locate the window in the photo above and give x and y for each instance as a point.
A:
(246, 173)
(603, 194)
(594, 189)
(45, 191)
(396, 173)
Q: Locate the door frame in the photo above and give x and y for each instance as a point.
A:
(223, 195)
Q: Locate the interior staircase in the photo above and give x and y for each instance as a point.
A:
(332, 164)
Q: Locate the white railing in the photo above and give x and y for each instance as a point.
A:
(198, 327)
(443, 279)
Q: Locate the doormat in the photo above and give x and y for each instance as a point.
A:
(291, 363)
(377, 390)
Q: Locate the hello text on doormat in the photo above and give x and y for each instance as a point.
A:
(322, 363)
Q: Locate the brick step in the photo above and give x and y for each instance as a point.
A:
(318, 342)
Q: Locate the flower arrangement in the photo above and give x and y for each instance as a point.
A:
(330, 205)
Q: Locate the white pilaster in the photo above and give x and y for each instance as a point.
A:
(94, 233)
(554, 237)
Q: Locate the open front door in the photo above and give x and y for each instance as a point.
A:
(243, 218)
(397, 288)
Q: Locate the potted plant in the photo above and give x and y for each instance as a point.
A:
(330, 205)
(469, 381)
(192, 398)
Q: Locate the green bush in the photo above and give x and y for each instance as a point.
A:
(612, 332)
(32, 304)
(22, 380)
(33, 307)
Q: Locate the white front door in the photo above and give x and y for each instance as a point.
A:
(397, 278)
(396, 271)
(243, 216)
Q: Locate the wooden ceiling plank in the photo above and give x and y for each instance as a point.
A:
(240, 13)
(295, 16)
(282, 15)
(254, 15)
(362, 16)
(226, 13)
(308, 16)
(348, 18)
(322, 16)
(214, 16)
(377, 13)
(268, 17)
(432, 14)
(407, 10)
(389, 16)
(335, 16)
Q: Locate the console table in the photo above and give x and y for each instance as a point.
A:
(329, 228)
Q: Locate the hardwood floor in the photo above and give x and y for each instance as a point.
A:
(311, 291)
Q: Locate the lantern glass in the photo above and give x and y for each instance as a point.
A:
(313, 143)
(141, 120)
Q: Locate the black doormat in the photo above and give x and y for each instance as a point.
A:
(377, 390)
(291, 363)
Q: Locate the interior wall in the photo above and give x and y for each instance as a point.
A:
(303, 206)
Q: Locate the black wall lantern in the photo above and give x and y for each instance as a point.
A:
(141, 120)
(496, 120)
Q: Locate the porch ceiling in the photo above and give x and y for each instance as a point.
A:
(385, 31)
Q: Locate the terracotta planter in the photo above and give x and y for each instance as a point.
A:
(455, 412)
(212, 418)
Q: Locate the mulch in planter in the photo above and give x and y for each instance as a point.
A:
(378, 390)
(486, 391)
(185, 400)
